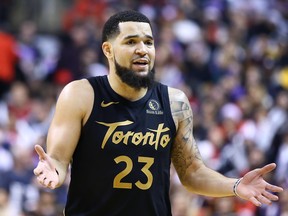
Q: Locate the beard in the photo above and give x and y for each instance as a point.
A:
(133, 80)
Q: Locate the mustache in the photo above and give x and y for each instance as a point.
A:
(132, 79)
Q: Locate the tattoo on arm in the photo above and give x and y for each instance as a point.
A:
(185, 152)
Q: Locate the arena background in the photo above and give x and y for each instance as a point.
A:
(229, 56)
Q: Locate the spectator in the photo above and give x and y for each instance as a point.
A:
(8, 59)
(235, 54)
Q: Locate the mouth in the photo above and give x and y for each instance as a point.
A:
(142, 63)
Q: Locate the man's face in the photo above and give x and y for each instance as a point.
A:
(134, 54)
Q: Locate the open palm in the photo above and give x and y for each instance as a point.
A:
(255, 189)
(46, 173)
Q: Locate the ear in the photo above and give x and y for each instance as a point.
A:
(107, 49)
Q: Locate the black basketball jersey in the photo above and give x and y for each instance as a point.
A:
(121, 165)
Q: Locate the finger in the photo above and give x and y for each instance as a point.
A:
(40, 151)
(48, 183)
(270, 196)
(264, 200)
(40, 179)
(52, 185)
(274, 188)
(266, 169)
(45, 182)
(255, 201)
(38, 170)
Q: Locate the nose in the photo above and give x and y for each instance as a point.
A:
(141, 49)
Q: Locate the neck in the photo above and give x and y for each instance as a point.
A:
(124, 90)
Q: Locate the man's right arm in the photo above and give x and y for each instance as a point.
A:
(64, 132)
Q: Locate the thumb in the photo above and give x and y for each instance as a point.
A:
(40, 151)
(43, 156)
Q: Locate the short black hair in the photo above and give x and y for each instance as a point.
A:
(111, 27)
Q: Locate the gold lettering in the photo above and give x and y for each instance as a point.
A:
(112, 127)
(164, 140)
(126, 137)
(137, 138)
(117, 137)
(156, 137)
(147, 136)
(158, 133)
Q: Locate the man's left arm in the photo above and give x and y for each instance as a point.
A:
(200, 179)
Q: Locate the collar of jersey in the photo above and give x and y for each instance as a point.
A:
(122, 100)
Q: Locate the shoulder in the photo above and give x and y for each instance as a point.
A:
(180, 105)
(77, 85)
(177, 95)
(77, 89)
(77, 94)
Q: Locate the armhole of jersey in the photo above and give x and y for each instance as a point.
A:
(167, 101)
(92, 82)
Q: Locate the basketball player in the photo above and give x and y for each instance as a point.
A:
(120, 133)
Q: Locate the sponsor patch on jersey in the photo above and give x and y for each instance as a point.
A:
(154, 108)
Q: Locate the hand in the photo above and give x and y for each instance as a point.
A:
(255, 189)
(47, 174)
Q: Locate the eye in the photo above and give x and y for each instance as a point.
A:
(149, 43)
(130, 42)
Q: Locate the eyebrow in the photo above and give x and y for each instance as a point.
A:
(135, 36)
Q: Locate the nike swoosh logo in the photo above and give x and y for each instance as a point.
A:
(103, 104)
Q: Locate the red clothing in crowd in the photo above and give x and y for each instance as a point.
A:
(8, 57)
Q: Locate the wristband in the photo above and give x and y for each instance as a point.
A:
(235, 186)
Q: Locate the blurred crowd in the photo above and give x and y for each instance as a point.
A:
(230, 57)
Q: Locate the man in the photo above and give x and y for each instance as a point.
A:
(120, 132)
